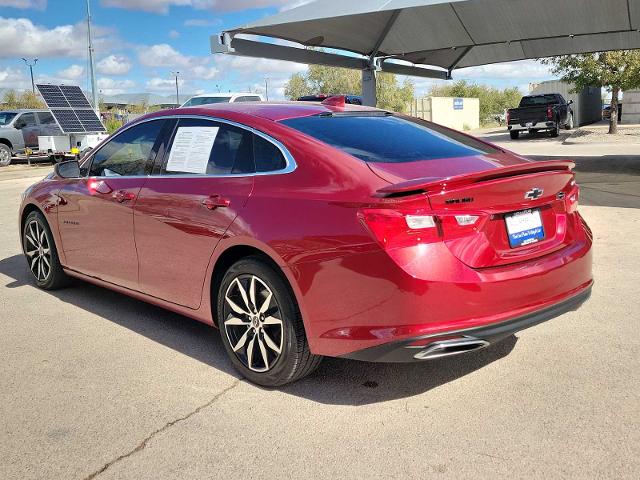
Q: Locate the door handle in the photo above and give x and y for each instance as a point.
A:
(215, 201)
(123, 196)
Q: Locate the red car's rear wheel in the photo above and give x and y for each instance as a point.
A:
(261, 326)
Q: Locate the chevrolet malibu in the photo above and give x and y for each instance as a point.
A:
(311, 230)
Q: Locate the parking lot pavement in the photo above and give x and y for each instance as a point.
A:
(96, 385)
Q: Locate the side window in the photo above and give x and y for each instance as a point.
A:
(230, 150)
(267, 156)
(247, 99)
(27, 119)
(46, 118)
(129, 153)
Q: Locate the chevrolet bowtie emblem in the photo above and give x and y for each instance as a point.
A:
(533, 194)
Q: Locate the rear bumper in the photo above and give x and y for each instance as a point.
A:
(536, 126)
(410, 350)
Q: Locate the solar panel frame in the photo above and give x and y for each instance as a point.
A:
(71, 109)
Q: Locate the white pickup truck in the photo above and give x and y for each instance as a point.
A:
(20, 129)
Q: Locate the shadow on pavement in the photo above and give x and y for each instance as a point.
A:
(336, 382)
(607, 181)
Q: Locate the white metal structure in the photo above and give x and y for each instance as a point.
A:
(375, 35)
(209, 98)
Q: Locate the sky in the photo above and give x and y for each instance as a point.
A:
(138, 43)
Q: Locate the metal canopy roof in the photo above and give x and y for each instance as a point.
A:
(446, 34)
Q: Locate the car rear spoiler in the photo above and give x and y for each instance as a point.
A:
(429, 184)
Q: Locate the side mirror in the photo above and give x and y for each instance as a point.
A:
(570, 102)
(67, 169)
(20, 125)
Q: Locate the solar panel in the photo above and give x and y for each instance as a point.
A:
(75, 97)
(71, 109)
(53, 96)
(68, 121)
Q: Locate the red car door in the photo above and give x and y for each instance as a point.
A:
(95, 213)
(182, 213)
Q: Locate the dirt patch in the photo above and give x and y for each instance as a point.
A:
(599, 135)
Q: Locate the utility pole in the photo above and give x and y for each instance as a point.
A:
(94, 90)
(177, 74)
(266, 88)
(31, 64)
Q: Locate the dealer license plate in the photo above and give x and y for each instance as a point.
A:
(524, 228)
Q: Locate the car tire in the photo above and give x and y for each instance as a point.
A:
(555, 131)
(5, 155)
(569, 124)
(514, 134)
(42, 256)
(261, 326)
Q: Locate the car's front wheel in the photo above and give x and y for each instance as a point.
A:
(41, 254)
(261, 326)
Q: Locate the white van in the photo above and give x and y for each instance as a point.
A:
(209, 98)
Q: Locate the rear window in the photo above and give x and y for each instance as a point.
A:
(537, 100)
(388, 139)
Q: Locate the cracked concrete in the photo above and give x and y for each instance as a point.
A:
(168, 425)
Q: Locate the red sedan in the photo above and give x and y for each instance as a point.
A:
(310, 230)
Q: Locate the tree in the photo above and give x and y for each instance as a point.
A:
(493, 101)
(26, 99)
(392, 95)
(616, 71)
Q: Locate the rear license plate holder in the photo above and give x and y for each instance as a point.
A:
(524, 227)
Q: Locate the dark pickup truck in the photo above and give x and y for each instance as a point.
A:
(540, 112)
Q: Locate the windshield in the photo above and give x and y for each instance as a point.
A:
(537, 100)
(195, 101)
(6, 117)
(388, 139)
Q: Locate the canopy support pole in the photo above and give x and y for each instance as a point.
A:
(369, 87)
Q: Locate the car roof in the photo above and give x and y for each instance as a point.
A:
(24, 110)
(275, 111)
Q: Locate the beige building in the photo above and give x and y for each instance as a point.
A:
(631, 107)
(457, 113)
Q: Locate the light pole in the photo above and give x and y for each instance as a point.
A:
(177, 74)
(92, 70)
(31, 64)
(266, 88)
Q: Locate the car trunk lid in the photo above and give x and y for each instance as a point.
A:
(472, 207)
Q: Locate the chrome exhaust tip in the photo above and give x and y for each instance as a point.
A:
(448, 348)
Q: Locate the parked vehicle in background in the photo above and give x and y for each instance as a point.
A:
(549, 112)
(305, 230)
(350, 99)
(20, 129)
(212, 98)
(606, 112)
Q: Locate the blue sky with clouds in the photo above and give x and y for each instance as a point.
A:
(139, 42)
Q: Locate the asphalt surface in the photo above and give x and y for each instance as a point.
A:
(94, 384)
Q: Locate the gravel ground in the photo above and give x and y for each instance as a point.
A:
(599, 135)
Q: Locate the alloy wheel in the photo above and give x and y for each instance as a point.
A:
(5, 157)
(253, 323)
(38, 250)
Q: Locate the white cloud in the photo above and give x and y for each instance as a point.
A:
(14, 78)
(74, 72)
(525, 69)
(162, 6)
(20, 37)
(201, 22)
(109, 86)
(25, 4)
(164, 85)
(114, 65)
(174, 34)
(165, 56)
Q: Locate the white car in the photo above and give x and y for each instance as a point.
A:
(209, 98)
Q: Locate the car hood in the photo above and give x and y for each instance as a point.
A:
(443, 167)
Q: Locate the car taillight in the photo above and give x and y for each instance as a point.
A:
(572, 198)
(549, 113)
(508, 116)
(398, 228)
